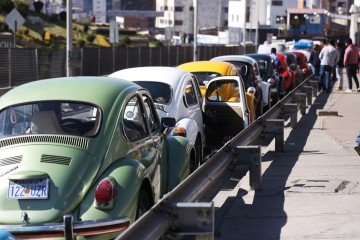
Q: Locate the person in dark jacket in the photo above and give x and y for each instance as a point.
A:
(340, 65)
(314, 60)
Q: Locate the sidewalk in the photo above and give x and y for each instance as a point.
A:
(311, 190)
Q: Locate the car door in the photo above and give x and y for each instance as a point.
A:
(193, 102)
(226, 109)
(141, 127)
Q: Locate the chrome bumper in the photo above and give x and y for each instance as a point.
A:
(67, 229)
(273, 90)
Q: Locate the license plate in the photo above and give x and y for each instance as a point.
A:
(28, 189)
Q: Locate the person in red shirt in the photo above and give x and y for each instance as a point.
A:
(351, 58)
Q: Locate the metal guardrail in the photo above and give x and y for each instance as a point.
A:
(181, 211)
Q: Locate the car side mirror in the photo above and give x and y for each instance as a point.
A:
(168, 122)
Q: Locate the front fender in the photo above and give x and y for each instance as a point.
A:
(179, 149)
(129, 175)
(191, 128)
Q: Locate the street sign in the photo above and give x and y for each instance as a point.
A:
(14, 20)
(114, 32)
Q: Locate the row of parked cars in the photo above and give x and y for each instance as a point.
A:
(87, 156)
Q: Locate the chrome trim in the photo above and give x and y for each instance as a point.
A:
(68, 228)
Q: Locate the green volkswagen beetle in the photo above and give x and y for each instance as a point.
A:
(83, 157)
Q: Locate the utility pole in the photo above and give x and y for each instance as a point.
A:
(195, 2)
(244, 30)
(68, 38)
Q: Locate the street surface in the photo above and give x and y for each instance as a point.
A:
(311, 190)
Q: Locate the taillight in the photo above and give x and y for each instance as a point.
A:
(271, 81)
(178, 131)
(251, 90)
(105, 194)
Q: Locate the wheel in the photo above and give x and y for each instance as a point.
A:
(199, 151)
(259, 107)
(144, 203)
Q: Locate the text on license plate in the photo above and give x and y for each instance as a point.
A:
(28, 189)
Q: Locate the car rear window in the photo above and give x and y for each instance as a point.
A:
(204, 77)
(50, 117)
(160, 92)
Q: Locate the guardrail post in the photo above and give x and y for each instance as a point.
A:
(276, 126)
(315, 86)
(251, 155)
(290, 109)
(308, 90)
(195, 219)
(301, 99)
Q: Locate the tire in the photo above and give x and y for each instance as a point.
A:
(199, 151)
(259, 107)
(144, 203)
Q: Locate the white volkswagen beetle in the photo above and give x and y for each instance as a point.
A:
(249, 70)
(176, 94)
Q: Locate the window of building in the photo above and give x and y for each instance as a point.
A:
(277, 2)
(178, 22)
(247, 14)
(191, 8)
(226, 10)
(178, 9)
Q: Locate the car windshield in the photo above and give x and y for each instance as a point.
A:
(160, 92)
(204, 77)
(51, 117)
(243, 67)
(262, 67)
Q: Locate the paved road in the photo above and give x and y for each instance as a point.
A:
(311, 190)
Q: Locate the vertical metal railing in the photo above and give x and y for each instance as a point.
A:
(18, 66)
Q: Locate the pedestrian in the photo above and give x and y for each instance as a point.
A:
(339, 70)
(275, 58)
(357, 146)
(351, 58)
(314, 60)
(329, 56)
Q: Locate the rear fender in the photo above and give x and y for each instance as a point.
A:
(129, 175)
(179, 149)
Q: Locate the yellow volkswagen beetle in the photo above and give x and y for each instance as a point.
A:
(207, 70)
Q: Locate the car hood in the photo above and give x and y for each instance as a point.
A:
(70, 170)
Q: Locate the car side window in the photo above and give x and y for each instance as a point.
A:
(226, 91)
(190, 93)
(151, 114)
(134, 122)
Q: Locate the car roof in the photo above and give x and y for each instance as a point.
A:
(260, 56)
(207, 66)
(241, 58)
(96, 90)
(169, 75)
